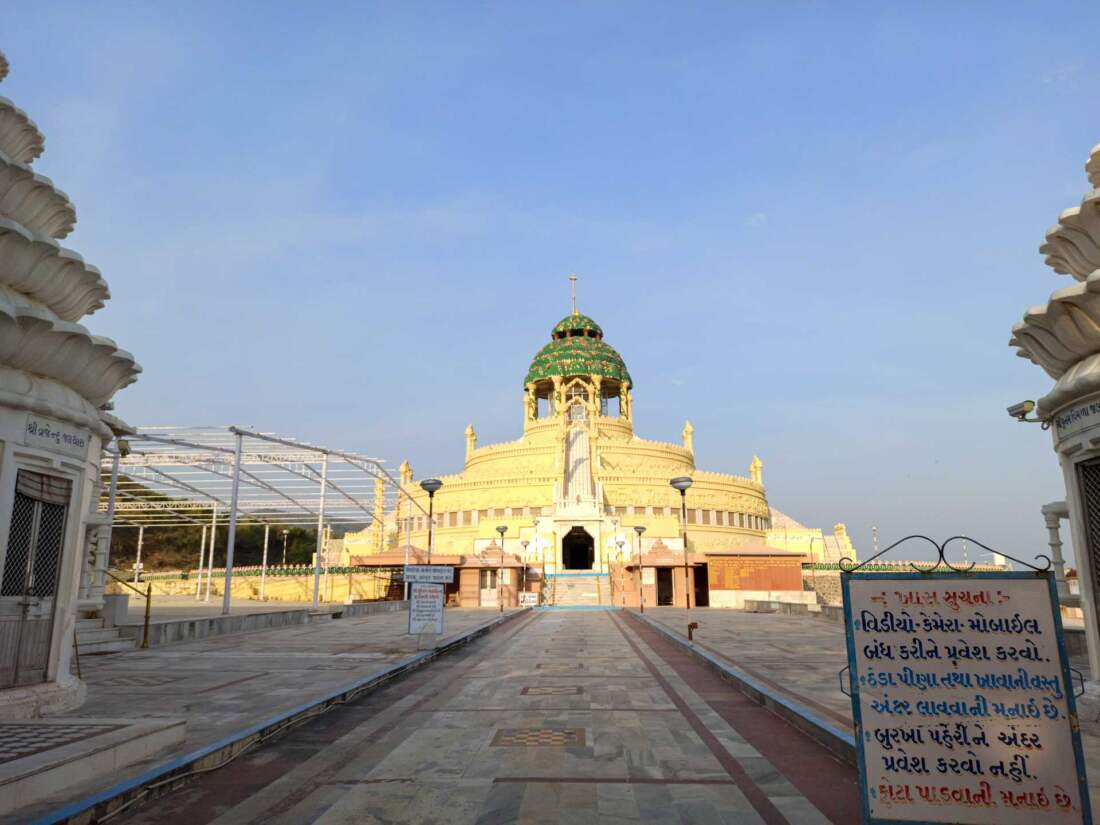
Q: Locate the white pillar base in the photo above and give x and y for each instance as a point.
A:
(44, 699)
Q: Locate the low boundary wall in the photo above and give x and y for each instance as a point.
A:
(169, 631)
(832, 612)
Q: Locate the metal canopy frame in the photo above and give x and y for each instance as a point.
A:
(178, 476)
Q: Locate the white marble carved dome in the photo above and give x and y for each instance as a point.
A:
(44, 287)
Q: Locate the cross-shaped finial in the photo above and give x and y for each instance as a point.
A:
(573, 286)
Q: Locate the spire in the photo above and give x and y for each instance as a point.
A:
(756, 470)
(471, 440)
(573, 288)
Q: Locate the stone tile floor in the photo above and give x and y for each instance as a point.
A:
(801, 655)
(225, 684)
(564, 717)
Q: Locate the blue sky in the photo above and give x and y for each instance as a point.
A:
(807, 227)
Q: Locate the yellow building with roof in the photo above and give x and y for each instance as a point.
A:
(573, 489)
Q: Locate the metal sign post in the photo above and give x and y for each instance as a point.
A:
(962, 697)
(427, 585)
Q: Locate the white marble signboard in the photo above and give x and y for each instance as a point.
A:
(430, 573)
(425, 608)
(56, 436)
(963, 700)
(1076, 419)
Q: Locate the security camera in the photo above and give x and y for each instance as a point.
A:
(1020, 411)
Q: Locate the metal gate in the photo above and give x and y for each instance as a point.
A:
(31, 568)
(1089, 475)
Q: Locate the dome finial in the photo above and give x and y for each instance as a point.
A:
(573, 287)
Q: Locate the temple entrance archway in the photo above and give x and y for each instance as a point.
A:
(578, 550)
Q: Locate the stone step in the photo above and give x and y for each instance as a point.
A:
(108, 746)
(88, 624)
(99, 634)
(577, 590)
(115, 645)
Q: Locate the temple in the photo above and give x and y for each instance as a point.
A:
(588, 512)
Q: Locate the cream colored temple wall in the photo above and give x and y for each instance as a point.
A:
(787, 534)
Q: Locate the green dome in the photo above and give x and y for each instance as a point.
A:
(577, 348)
(575, 323)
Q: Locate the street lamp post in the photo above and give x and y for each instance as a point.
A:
(641, 578)
(285, 533)
(813, 569)
(500, 570)
(622, 593)
(430, 486)
(682, 483)
(525, 542)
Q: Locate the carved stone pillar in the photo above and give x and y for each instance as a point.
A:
(689, 439)
(93, 568)
(1053, 513)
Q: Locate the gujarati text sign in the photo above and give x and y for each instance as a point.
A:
(55, 435)
(425, 608)
(430, 573)
(962, 699)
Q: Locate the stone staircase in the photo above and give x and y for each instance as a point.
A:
(579, 590)
(92, 636)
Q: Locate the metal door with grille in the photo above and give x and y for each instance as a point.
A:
(31, 567)
(1089, 475)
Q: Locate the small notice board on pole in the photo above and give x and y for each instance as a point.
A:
(963, 699)
(425, 608)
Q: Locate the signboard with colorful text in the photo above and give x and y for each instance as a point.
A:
(963, 700)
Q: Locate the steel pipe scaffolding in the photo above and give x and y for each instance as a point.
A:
(181, 476)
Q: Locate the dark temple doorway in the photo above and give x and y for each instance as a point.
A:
(578, 550)
(701, 576)
(664, 586)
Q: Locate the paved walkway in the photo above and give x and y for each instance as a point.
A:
(801, 656)
(556, 717)
(225, 684)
